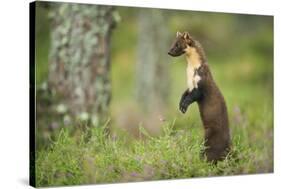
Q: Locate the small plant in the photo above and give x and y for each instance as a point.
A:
(103, 159)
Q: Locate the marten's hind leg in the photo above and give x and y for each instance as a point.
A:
(217, 145)
(215, 154)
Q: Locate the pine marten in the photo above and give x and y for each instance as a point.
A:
(202, 88)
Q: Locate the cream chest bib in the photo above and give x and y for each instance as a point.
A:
(192, 77)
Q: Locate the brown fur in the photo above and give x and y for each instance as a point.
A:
(212, 105)
(214, 116)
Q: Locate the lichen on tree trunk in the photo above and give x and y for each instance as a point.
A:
(79, 58)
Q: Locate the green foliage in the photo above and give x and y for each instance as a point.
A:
(103, 159)
(42, 44)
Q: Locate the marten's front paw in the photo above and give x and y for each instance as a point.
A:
(183, 105)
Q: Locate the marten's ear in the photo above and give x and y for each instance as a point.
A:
(186, 35)
(179, 34)
(188, 38)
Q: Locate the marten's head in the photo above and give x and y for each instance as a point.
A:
(183, 44)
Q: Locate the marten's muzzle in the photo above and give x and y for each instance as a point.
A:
(173, 52)
(170, 53)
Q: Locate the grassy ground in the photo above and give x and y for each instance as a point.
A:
(92, 157)
(85, 155)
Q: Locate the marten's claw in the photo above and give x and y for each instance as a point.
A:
(182, 110)
(183, 106)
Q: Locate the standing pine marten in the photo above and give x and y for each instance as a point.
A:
(202, 88)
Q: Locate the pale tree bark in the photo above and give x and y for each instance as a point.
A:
(80, 58)
(152, 79)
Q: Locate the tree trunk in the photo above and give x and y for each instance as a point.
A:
(80, 58)
(152, 75)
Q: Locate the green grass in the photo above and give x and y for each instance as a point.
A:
(175, 154)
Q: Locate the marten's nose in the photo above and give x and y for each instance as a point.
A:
(169, 53)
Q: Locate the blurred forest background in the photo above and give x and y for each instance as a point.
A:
(107, 67)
